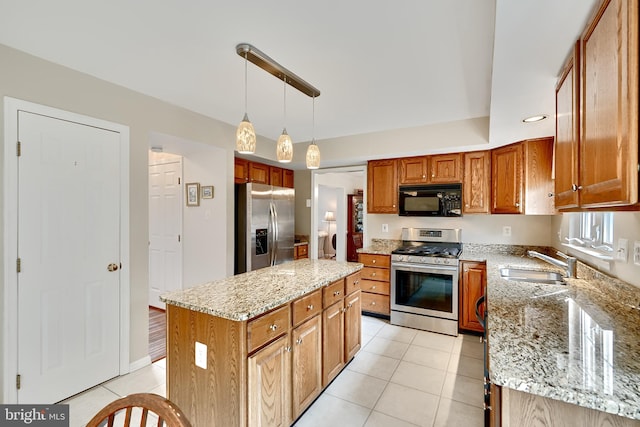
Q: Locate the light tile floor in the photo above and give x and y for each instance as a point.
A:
(401, 377)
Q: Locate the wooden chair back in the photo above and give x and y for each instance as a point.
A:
(140, 405)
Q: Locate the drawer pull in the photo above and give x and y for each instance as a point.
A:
(344, 310)
(350, 304)
(373, 274)
(373, 261)
(273, 327)
(373, 303)
(336, 293)
(310, 307)
(288, 349)
(373, 287)
(299, 341)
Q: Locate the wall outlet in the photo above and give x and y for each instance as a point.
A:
(308, 203)
(623, 250)
(506, 230)
(636, 252)
(385, 228)
(201, 355)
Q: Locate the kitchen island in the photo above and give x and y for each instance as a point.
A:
(257, 348)
(562, 354)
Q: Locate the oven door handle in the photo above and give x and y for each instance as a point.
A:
(422, 267)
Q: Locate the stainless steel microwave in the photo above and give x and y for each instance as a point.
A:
(430, 200)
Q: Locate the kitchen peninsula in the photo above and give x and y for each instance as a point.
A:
(258, 348)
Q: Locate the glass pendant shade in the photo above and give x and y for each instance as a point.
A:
(313, 156)
(245, 137)
(284, 149)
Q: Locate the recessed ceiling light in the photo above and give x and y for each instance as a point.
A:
(533, 119)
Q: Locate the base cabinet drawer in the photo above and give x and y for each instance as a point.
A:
(375, 303)
(375, 287)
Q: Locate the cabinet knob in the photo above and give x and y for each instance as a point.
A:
(373, 287)
(373, 303)
(424, 176)
(517, 205)
(356, 282)
(394, 205)
(373, 261)
(373, 274)
(336, 293)
(433, 175)
(550, 194)
(273, 327)
(310, 307)
(344, 310)
(576, 187)
(299, 341)
(288, 349)
(350, 305)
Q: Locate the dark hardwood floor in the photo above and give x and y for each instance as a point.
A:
(157, 334)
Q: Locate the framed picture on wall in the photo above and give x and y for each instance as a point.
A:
(193, 193)
(207, 191)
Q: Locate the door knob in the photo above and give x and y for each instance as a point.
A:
(112, 267)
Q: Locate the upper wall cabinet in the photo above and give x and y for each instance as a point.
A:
(521, 179)
(382, 186)
(605, 69)
(248, 171)
(477, 182)
(442, 168)
(567, 133)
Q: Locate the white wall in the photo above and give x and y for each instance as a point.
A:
(525, 229)
(626, 225)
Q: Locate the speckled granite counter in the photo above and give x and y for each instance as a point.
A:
(577, 343)
(249, 294)
(380, 247)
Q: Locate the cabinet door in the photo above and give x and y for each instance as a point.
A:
(538, 180)
(477, 182)
(241, 170)
(275, 176)
(382, 186)
(352, 324)
(472, 286)
(445, 168)
(609, 107)
(567, 134)
(269, 379)
(307, 364)
(414, 170)
(259, 172)
(333, 339)
(506, 179)
(287, 178)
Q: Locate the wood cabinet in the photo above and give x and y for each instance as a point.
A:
(287, 178)
(445, 168)
(382, 186)
(477, 182)
(473, 282)
(306, 365)
(269, 382)
(275, 176)
(567, 134)
(609, 106)
(414, 170)
(375, 283)
(301, 251)
(264, 371)
(521, 178)
(249, 171)
(333, 332)
(241, 170)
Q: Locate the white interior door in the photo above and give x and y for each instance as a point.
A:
(165, 229)
(68, 236)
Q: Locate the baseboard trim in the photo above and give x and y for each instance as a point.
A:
(140, 363)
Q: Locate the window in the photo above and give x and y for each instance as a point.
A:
(592, 230)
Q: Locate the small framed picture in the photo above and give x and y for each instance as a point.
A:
(193, 193)
(207, 191)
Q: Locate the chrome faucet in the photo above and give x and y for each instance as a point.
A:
(569, 266)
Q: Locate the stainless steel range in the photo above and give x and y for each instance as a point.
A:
(424, 280)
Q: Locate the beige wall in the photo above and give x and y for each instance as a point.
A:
(302, 184)
(28, 78)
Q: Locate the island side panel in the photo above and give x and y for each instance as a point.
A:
(215, 396)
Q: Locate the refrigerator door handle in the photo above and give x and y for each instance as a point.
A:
(276, 234)
(271, 235)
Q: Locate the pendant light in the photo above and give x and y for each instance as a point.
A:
(245, 135)
(284, 148)
(313, 152)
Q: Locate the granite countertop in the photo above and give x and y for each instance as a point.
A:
(247, 295)
(380, 247)
(300, 243)
(577, 343)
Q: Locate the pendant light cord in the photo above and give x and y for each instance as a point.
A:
(313, 121)
(285, 102)
(245, 82)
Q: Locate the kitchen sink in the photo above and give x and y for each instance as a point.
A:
(522, 275)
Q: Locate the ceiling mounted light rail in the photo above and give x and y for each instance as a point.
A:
(272, 67)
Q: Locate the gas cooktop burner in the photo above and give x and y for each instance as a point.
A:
(429, 250)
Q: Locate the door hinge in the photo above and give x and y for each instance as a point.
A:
(18, 149)
(178, 238)
(18, 381)
(18, 265)
(178, 180)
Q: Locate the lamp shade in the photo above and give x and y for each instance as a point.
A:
(329, 216)
(284, 149)
(313, 156)
(245, 137)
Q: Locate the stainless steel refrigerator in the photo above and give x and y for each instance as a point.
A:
(264, 229)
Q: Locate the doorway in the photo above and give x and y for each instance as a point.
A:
(67, 301)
